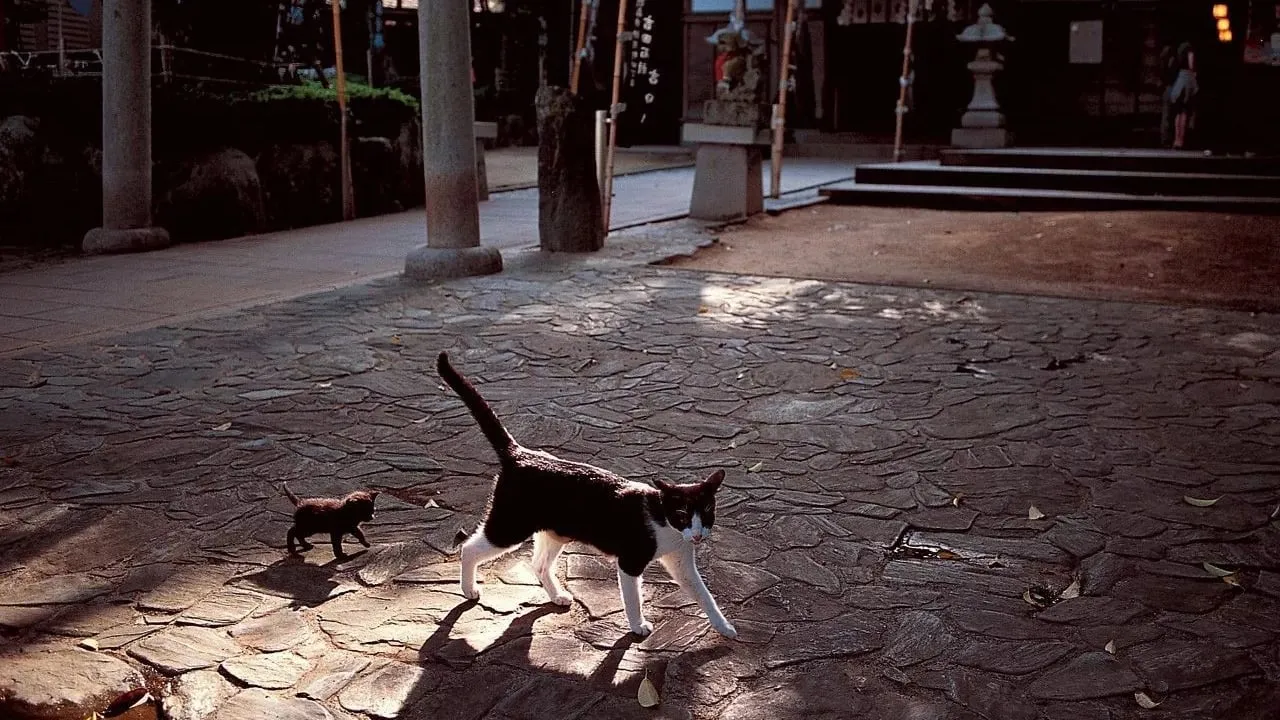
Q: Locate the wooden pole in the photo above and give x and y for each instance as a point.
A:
(903, 82)
(779, 120)
(580, 46)
(348, 200)
(615, 109)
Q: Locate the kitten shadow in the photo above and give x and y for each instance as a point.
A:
(308, 585)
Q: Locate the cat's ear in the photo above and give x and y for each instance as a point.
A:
(373, 494)
(713, 480)
(663, 485)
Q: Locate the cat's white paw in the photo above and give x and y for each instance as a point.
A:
(471, 593)
(563, 599)
(726, 629)
(644, 629)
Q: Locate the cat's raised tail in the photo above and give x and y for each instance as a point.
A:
(489, 423)
(292, 498)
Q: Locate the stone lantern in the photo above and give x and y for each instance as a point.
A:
(982, 125)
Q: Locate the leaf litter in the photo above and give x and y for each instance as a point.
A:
(1199, 502)
(647, 695)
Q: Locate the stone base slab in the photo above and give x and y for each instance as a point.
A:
(727, 183)
(740, 114)
(981, 137)
(100, 240)
(426, 264)
(723, 134)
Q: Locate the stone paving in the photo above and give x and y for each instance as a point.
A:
(919, 486)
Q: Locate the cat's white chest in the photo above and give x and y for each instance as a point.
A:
(669, 540)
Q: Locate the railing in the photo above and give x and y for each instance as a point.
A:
(168, 63)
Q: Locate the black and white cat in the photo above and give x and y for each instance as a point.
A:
(557, 501)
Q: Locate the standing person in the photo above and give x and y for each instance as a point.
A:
(1168, 75)
(1183, 94)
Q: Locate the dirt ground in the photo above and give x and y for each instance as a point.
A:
(1211, 259)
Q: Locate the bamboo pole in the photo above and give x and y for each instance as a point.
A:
(779, 120)
(615, 109)
(348, 200)
(580, 46)
(903, 82)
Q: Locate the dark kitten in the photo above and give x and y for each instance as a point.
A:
(557, 501)
(335, 516)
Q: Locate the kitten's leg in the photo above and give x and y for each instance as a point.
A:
(632, 600)
(546, 551)
(478, 549)
(336, 539)
(291, 538)
(355, 532)
(681, 566)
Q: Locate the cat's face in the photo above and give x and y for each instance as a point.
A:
(361, 502)
(691, 509)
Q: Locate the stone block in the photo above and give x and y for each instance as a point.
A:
(428, 263)
(981, 137)
(739, 114)
(727, 184)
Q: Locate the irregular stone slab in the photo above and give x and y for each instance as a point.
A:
(272, 671)
(872, 597)
(181, 649)
(224, 607)
(185, 587)
(1174, 594)
(446, 572)
(388, 561)
(57, 590)
(121, 635)
(19, 617)
(1089, 676)
(882, 533)
(196, 695)
(386, 690)
(1086, 610)
(256, 704)
(921, 636)
(333, 671)
(1011, 658)
(844, 636)
(980, 417)
(790, 409)
(41, 680)
(733, 582)
(272, 633)
(942, 518)
(976, 545)
(798, 565)
(989, 697)
(991, 623)
(1180, 665)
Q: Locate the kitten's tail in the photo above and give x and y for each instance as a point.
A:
(292, 498)
(489, 423)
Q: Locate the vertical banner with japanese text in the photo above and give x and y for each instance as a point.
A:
(653, 83)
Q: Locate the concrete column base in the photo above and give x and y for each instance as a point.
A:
(108, 240)
(979, 138)
(425, 264)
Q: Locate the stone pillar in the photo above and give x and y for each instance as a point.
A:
(448, 148)
(126, 132)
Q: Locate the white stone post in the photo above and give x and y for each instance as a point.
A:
(448, 148)
(126, 132)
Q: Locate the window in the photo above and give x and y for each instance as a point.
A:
(727, 6)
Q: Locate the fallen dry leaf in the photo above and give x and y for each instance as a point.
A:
(703, 309)
(1110, 647)
(896, 675)
(1275, 513)
(947, 555)
(324, 385)
(223, 426)
(756, 467)
(1033, 513)
(1144, 700)
(848, 374)
(126, 702)
(395, 340)
(1232, 580)
(647, 695)
(1072, 591)
(956, 500)
(1199, 502)
(1216, 571)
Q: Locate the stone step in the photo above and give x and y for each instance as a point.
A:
(1118, 159)
(1125, 182)
(996, 198)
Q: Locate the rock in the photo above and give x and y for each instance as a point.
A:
(1091, 675)
(255, 704)
(184, 587)
(1180, 665)
(1011, 658)
(844, 636)
(272, 671)
(921, 636)
(301, 185)
(542, 697)
(180, 649)
(195, 695)
(388, 561)
(225, 607)
(57, 590)
(989, 697)
(333, 672)
(216, 196)
(40, 680)
(1091, 611)
(386, 690)
(272, 633)
(570, 217)
(800, 566)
